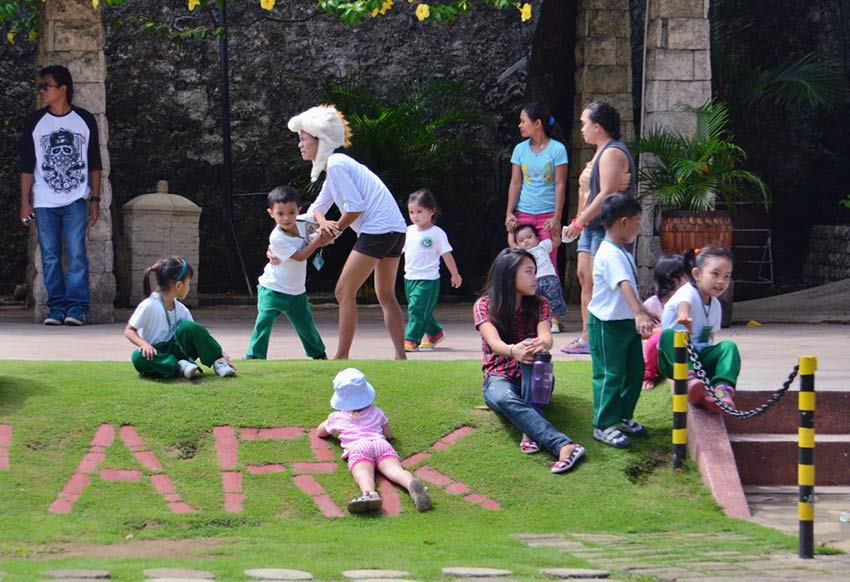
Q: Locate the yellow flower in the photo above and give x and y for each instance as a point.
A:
(32, 35)
(524, 11)
(95, 4)
(266, 4)
(423, 11)
(386, 6)
(10, 36)
(193, 4)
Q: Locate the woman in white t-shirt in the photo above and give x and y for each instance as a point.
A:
(168, 339)
(367, 206)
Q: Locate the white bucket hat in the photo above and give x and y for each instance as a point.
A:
(351, 391)
(327, 125)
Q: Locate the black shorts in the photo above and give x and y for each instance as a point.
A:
(380, 246)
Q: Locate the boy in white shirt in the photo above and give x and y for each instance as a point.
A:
(282, 286)
(616, 321)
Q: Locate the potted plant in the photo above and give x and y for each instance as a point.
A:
(688, 175)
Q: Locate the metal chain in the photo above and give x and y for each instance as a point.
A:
(742, 414)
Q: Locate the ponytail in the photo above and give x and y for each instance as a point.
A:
(697, 258)
(536, 110)
(168, 271)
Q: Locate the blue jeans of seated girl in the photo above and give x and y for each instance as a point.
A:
(513, 401)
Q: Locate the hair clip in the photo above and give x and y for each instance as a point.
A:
(551, 120)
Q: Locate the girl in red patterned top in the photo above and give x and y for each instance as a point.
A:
(514, 324)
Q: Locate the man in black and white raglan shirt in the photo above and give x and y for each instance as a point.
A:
(60, 166)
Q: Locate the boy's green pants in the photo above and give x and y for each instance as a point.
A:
(422, 299)
(721, 362)
(190, 341)
(270, 304)
(617, 358)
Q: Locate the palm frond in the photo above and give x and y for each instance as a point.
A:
(807, 81)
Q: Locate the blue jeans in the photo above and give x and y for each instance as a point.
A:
(514, 401)
(71, 290)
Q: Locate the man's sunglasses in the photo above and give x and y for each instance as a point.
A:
(45, 86)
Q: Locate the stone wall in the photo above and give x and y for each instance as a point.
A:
(17, 99)
(165, 118)
(678, 73)
(603, 73)
(829, 254)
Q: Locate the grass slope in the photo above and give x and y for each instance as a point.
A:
(55, 409)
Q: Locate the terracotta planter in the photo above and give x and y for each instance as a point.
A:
(681, 230)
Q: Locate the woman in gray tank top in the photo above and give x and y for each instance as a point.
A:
(611, 170)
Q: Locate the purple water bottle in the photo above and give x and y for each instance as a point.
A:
(541, 378)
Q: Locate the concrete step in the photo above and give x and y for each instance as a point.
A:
(771, 459)
(832, 410)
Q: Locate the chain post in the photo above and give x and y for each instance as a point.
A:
(806, 456)
(680, 399)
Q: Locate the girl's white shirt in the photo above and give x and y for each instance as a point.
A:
(355, 188)
(422, 252)
(150, 319)
(705, 319)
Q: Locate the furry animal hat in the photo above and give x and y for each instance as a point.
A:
(329, 126)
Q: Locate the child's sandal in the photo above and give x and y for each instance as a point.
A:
(564, 465)
(529, 447)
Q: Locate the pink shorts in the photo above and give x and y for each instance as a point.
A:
(370, 451)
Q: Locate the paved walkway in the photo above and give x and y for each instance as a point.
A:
(769, 352)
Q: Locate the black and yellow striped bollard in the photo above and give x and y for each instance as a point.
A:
(806, 458)
(680, 399)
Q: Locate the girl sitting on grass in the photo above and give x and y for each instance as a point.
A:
(695, 307)
(168, 339)
(514, 325)
(363, 431)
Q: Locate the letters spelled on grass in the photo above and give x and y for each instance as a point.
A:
(165, 453)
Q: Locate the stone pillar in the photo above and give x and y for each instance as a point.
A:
(157, 225)
(603, 73)
(678, 72)
(71, 34)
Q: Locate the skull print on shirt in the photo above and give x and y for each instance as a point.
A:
(63, 166)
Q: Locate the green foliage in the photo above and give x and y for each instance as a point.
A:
(412, 138)
(17, 16)
(54, 409)
(845, 202)
(694, 172)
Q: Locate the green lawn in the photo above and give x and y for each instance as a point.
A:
(55, 409)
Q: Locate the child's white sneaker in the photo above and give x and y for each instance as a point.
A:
(223, 369)
(556, 326)
(188, 369)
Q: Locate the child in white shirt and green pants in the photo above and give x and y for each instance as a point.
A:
(616, 320)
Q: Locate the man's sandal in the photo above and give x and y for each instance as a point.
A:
(564, 465)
